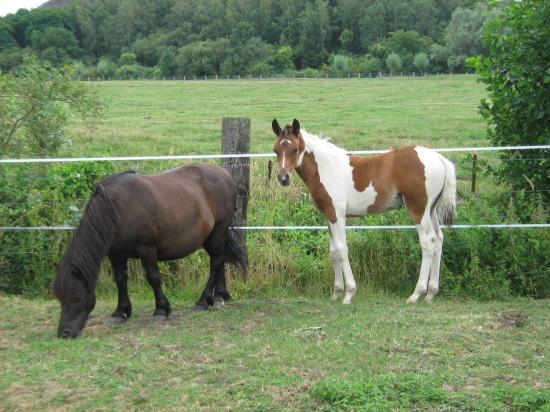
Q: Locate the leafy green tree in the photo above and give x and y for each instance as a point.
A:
(438, 56)
(373, 65)
(394, 63)
(168, 63)
(148, 50)
(37, 102)
(346, 39)
(127, 59)
(341, 63)
(314, 22)
(517, 76)
(421, 62)
(406, 44)
(281, 61)
(56, 44)
(7, 41)
(106, 68)
(464, 34)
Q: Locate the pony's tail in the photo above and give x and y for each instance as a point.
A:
(446, 206)
(235, 250)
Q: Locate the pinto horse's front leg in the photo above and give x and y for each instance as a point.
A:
(340, 261)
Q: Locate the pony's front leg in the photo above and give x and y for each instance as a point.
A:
(123, 310)
(340, 260)
(162, 306)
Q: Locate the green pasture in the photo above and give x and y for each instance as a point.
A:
(378, 354)
(181, 117)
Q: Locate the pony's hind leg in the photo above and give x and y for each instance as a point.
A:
(215, 292)
(123, 310)
(162, 306)
(433, 284)
(427, 238)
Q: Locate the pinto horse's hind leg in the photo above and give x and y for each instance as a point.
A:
(162, 306)
(123, 310)
(427, 236)
(433, 284)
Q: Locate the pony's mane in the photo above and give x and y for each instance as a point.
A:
(314, 142)
(90, 243)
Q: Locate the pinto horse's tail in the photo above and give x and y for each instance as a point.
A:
(235, 249)
(446, 205)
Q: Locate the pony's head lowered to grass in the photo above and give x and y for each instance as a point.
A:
(289, 148)
(77, 273)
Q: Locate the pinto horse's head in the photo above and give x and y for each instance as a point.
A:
(289, 148)
(77, 300)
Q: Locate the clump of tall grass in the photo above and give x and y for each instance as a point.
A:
(481, 263)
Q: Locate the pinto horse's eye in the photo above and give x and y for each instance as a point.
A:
(295, 150)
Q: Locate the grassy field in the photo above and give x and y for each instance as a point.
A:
(161, 117)
(281, 354)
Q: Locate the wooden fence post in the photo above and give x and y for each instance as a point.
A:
(236, 140)
(474, 172)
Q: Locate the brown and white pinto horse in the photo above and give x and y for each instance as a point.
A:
(343, 185)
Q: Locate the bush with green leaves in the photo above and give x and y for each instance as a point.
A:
(517, 76)
(394, 63)
(36, 103)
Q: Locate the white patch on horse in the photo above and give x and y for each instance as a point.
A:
(359, 202)
(284, 157)
(434, 172)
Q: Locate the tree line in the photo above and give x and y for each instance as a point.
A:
(229, 37)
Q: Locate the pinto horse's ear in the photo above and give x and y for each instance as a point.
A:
(276, 128)
(296, 127)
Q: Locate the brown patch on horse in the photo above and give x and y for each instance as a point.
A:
(399, 172)
(309, 173)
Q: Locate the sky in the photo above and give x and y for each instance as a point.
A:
(11, 6)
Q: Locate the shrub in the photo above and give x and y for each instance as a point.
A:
(517, 78)
(394, 63)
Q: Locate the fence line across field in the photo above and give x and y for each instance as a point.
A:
(373, 227)
(250, 155)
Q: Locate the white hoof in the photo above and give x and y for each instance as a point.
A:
(412, 299)
(428, 299)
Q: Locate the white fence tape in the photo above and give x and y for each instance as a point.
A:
(250, 155)
(373, 227)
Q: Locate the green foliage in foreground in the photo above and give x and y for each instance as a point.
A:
(390, 392)
(281, 354)
(517, 76)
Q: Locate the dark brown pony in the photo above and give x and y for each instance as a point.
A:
(159, 217)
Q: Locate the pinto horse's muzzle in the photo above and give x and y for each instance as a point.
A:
(284, 178)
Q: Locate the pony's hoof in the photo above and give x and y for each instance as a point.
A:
(218, 303)
(160, 318)
(429, 299)
(117, 320)
(200, 308)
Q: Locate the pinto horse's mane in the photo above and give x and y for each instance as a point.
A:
(90, 243)
(314, 142)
